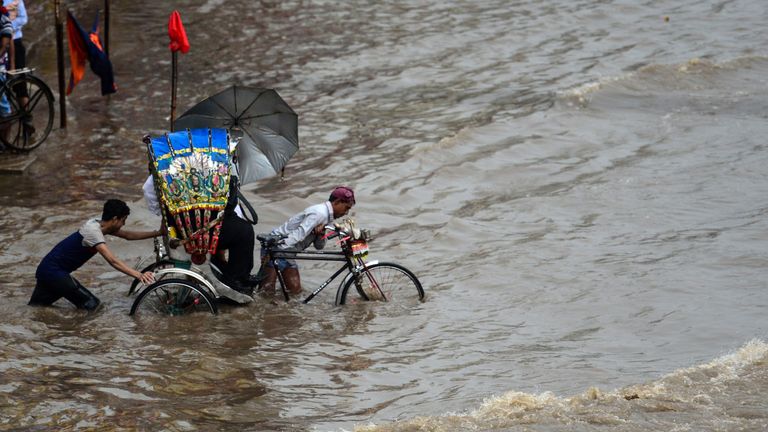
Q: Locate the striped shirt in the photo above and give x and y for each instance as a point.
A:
(6, 31)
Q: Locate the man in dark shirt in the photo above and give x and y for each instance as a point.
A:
(54, 280)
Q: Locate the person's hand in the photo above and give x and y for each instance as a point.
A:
(320, 229)
(147, 278)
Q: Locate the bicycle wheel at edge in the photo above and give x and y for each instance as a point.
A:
(394, 281)
(27, 128)
(173, 297)
(164, 264)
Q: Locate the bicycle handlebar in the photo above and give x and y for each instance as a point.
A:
(272, 240)
(335, 232)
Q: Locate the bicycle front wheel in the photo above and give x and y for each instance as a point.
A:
(173, 297)
(387, 282)
(30, 118)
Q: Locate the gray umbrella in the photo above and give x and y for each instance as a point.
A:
(268, 126)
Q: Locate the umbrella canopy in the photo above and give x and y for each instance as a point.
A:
(270, 128)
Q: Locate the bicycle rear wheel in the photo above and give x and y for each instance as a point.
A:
(173, 297)
(387, 282)
(28, 124)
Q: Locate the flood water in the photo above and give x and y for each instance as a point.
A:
(580, 185)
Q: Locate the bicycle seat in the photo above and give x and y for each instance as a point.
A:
(20, 71)
(270, 240)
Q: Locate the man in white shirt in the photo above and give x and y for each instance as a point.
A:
(304, 229)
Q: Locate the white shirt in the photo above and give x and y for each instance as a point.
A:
(299, 227)
(91, 232)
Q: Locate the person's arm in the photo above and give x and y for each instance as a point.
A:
(138, 235)
(21, 16)
(232, 201)
(298, 234)
(5, 43)
(319, 242)
(146, 277)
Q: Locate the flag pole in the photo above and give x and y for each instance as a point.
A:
(178, 43)
(174, 80)
(60, 63)
(106, 27)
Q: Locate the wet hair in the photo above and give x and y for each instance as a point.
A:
(114, 208)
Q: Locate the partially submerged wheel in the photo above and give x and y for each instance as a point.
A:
(173, 297)
(155, 266)
(385, 282)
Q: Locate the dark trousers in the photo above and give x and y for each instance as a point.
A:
(236, 236)
(47, 291)
(20, 58)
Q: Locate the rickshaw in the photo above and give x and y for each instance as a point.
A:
(190, 170)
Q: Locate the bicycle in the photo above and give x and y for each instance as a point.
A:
(373, 280)
(27, 124)
(182, 288)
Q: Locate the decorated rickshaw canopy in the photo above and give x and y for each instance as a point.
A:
(190, 169)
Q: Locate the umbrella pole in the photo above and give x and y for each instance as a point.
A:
(174, 79)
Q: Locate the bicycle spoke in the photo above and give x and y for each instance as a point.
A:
(384, 282)
(374, 288)
(173, 297)
(15, 105)
(34, 99)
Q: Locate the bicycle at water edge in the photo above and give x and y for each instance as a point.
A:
(26, 110)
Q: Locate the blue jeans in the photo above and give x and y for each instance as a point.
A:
(5, 104)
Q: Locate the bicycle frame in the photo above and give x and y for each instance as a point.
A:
(341, 256)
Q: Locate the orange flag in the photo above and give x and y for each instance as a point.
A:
(86, 47)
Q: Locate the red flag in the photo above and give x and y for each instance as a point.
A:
(177, 34)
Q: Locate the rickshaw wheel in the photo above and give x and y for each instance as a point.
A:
(173, 297)
(155, 266)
